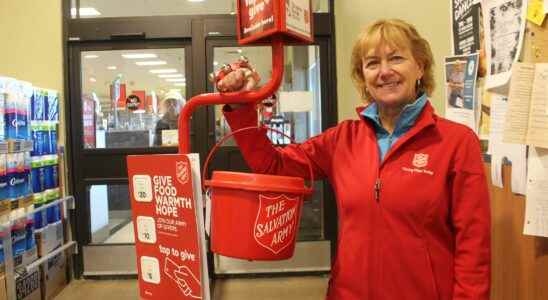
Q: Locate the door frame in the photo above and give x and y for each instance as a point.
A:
(80, 33)
(87, 165)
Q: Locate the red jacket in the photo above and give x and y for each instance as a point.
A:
(416, 226)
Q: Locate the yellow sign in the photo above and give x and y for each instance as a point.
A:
(535, 11)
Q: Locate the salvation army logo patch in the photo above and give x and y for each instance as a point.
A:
(420, 160)
(181, 171)
(276, 223)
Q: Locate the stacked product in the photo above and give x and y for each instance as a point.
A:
(27, 173)
(15, 179)
(45, 183)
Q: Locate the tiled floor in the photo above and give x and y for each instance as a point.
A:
(286, 288)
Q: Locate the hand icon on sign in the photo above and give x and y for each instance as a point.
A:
(184, 278)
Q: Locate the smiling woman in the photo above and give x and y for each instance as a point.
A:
(404, 179)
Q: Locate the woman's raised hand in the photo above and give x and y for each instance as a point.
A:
(235, 77)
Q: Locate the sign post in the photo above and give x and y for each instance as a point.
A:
(168, 222)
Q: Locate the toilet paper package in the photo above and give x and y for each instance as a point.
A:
(17, 109)
(46, 142)
(38, 177)
(26, 189)
(52, 138)
(13, 91)
(38, 104)
(3, 96)
(51, 175)
(30, 241)
(3, 178)
(40, 218)
(52, 106)
(24, 110)
(12, 175)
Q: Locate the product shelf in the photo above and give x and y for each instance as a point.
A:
(31, 261)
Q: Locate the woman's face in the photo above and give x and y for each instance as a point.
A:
(391, 75)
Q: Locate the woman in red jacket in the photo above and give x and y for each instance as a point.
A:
(412, 198)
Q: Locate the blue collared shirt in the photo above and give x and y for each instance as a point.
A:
(407, 118)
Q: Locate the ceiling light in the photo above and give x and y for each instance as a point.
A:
(139, 55)
(215, 63)
(85, 12)
(174, 90)
(176, 80)
(196, 0)
(170, 75)
(163, 71)
(92, 79)
(91, 56)
(151, 63)
(239, 50)
(180, 84)
(111, 67)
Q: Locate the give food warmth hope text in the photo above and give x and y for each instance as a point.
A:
(165, 195)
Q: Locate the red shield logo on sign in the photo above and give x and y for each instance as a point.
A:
(276, 222)
(420, 160)
(182, 171)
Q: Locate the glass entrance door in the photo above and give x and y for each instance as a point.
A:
(126, 101)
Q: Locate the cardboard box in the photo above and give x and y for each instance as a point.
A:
(49, 238)
(54, 276)
(27, 286)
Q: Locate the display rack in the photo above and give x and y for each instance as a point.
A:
(29, 261)
(67, 203)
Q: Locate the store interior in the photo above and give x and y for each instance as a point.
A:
(113, 64)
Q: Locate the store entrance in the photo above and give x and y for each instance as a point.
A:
(124, 77)
(126, 97)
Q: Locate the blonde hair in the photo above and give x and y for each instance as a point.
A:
(396, 34)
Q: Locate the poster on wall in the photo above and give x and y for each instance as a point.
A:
(167, 217)
(504, 25)
(460, 85)
(465, 22)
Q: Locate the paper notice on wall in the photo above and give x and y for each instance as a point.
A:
(297, 101)
(519, 101)
(504, 25)
(537, 133)
(515, 153)
(528, 104)
(536, 203)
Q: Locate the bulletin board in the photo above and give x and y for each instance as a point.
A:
(520, 262)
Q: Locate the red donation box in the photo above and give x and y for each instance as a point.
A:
(260, 20)
(167, 218)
